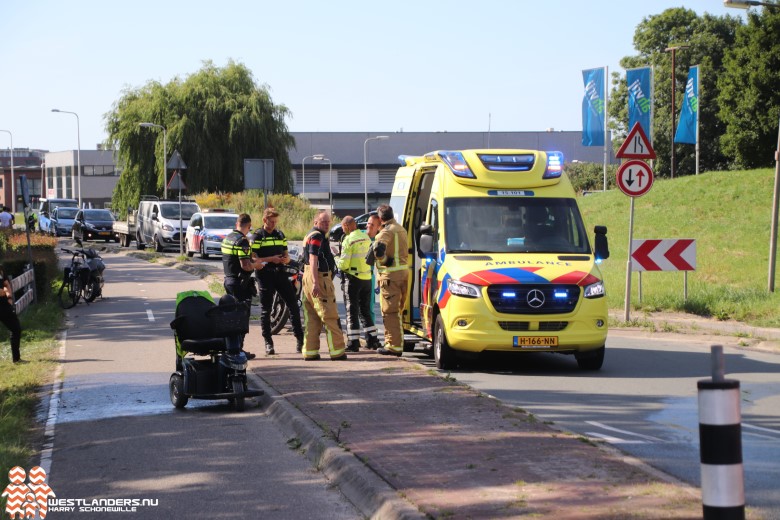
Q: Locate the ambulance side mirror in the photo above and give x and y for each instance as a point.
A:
(601, 244)
(425, 241)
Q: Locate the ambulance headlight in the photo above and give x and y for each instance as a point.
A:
(466, 290)
(594, 290)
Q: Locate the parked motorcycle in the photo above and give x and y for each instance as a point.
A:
(83, 278)
(280, 313)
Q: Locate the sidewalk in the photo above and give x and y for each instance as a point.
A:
(401, 442)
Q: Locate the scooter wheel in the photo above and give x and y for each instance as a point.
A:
(176, 388)
(238, 401)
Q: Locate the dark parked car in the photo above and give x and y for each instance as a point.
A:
(336, 233)
(61, 222)
(94, 224)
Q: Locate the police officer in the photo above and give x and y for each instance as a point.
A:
(270, 245)
(319, 295)
(359, 290)
(238, 264)
(390, 251)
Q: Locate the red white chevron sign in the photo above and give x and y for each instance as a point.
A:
(663, 255)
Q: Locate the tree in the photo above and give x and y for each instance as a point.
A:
(749, 98)
(216, 118)
(707, 37)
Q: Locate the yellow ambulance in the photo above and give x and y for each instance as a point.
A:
(501, 258)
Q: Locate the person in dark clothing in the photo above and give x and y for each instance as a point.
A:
(8, 316)
(270, 245)
(238, 263)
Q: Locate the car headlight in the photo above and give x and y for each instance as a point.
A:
(167, 227)
(212, 238)
(594, 290)
(464, 289)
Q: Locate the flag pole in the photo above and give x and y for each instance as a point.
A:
(606, 90)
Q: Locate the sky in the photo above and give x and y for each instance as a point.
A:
(338, 65)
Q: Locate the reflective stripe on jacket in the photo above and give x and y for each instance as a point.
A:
(395, 259)
(353, 255)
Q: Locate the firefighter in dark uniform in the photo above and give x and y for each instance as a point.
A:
(270, 246)
(238, 264)
(319, 295)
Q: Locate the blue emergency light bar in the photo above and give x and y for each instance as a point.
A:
(508, 163)
(554, 165)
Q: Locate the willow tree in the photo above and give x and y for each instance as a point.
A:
(215, 118)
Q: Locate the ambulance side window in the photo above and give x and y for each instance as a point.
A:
(433, 220)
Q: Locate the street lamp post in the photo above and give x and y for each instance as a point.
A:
(776, 196)
(303, 174)
(13, 183)
(365, 168)
(78, 151)
(673, 50)
(330, 179)
(165, 154)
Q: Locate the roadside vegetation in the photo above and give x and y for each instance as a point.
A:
(296, 215)
(20, 384)
(727, 213)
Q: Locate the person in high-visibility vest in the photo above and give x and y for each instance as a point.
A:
(391, 253)
(319, 295)
(359, 291)
(238, 264)
(373, 225)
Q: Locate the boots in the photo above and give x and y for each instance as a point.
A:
(299, 344)
(354, 346)
(373, 343)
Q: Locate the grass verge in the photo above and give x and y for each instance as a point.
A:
(20, 385)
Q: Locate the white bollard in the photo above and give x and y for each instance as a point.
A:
(720, 441)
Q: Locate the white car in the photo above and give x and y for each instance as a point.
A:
(206, 231)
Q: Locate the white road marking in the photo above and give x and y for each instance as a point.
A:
(149, 314)
(761, 429)
(613, 440)
(624, 432)
(54, 408)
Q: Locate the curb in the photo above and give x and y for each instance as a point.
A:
(367, 491)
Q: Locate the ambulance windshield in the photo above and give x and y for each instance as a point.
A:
(514, 225)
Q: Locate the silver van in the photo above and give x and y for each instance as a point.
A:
(158, 221)
(45, 209)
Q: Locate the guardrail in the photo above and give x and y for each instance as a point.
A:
(24, 282)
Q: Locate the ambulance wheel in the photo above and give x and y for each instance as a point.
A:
(591, 360)
(238, 401)
(442, 353)
(176, 387)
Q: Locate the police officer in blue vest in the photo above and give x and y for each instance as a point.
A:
(270, 245)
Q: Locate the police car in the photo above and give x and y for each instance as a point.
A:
(206, 231)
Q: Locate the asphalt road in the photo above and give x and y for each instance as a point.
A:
(116, 435)
(644, 402)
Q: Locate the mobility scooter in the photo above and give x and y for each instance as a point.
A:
(209, 361)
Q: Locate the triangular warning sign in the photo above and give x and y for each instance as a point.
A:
(176, 182)
(636, 145)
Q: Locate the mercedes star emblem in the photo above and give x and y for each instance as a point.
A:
(535, 298)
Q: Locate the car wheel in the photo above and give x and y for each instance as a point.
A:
(158, 247)
(203, 253)
(176, 388)
(591, 360)
(442, 353)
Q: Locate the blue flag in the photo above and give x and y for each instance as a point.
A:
(593, 108)
(689, 113)
(639, 98)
